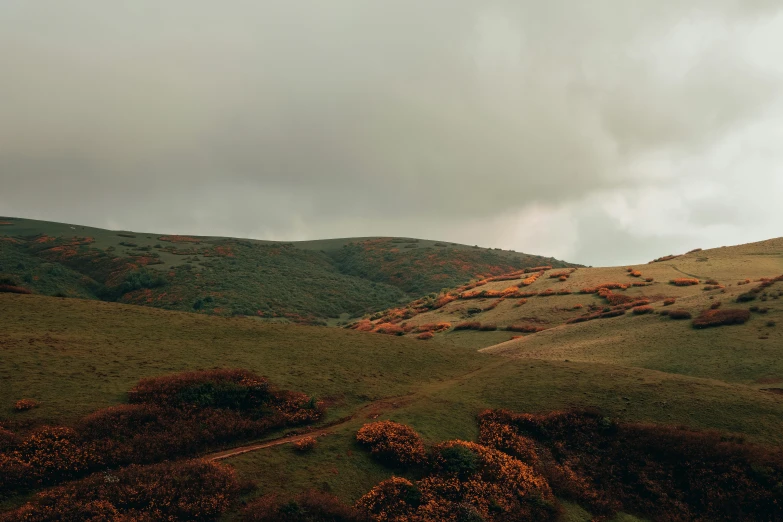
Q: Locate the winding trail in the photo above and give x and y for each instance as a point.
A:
(371, 410)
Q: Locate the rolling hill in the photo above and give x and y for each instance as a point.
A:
(310, 282)
(580, 345)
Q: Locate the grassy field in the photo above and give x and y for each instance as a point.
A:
(75, 356)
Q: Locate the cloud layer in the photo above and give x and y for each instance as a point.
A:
(603, 132)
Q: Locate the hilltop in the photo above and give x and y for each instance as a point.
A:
(311, 282)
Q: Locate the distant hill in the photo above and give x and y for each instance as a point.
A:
(304, 282)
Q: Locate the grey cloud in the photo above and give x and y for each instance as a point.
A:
(348, 117)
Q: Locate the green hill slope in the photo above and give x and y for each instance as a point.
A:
(304, 282)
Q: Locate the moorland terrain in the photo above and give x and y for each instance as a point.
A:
(531, 390)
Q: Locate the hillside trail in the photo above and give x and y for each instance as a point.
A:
(371, 410)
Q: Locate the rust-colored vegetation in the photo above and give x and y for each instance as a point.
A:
(25, 404)
(13, 289)
(679, 314)
(721, 317)
(189, 490)
(305, 444)
(684, 281)
(665, 472)
(392, 443)
(172, 416)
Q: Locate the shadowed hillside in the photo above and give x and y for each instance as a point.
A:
(304, 282)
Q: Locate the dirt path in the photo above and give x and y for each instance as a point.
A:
(368, 411)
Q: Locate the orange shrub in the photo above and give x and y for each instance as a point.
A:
(190, 490)
(661, 472)
(679, 314)
(444, 300)
(305, 444)
(649, 279)
(25, 404)
(635, 273)
(468, 325)
(392, 443)
(433, 327)
(363, 326)
(684, 281)
(520, 302)
(425, 336)
(11, 289)
(669, 301)
(389, 329)
(488, 327)
(468, 481)
(640, 310)
(720, 317)
(525, 328)
(538, 269)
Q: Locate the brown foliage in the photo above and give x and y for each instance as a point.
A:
(467, 481)
(25, 404)
(172, 416)
(190, 490)
(12, 289)
(305, 444)
(663, 472)
(392, 443)
(669, 301)
(684, 281)
(468, 325)
(679, 314)
(720, 317)
(639, 310)
(425, 336)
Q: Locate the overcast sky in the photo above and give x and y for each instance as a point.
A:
(601, 132)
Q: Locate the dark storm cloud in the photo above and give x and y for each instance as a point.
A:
(499, 123)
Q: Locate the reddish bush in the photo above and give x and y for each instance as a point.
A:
(715, 305)
(468, 481)
(389, 329)
(181, 415)
(604, 286)
(488, 327)
(711, 282)
(520, 303)
(635, 273)
(744, 282)
(25, 404)
(639, 310)
(425, 336)
(525, 328)
(310, 506)
(649, 279)
(443, 300)
(305, 444)
(392, 443)
(538, 269)
(433, 327)
(669, 301)
(679, 314)
(664, 472)
(468, 325)
(721, 317)
(558, 275)
(11, 289)
(364, 325)
(684, 281)
(190, 490)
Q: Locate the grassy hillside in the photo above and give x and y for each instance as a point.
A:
(75, 356)
(305, 282)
